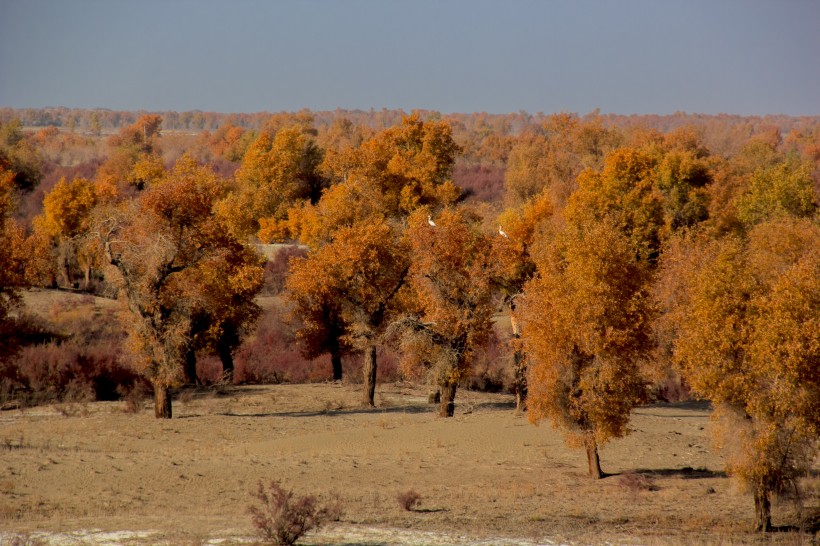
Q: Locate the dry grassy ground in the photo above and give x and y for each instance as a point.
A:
(486, 476)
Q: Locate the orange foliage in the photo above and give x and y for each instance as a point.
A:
(746, 314)
(451, 278)
(176, 261)
(586, 330)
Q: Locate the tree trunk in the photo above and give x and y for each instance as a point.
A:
(519, 363)
(369, 393)
(520, 381)
(336, 363)
(223, 347)
(763, 510)
(162, 401)
(189, 367)
(87, 278)
(63, 268)
(448, 400)
(592, 457)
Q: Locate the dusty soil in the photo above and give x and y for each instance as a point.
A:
(95, 473)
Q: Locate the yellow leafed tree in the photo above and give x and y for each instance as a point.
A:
(746, 316)
(175, 259)
(586, 331)
(452, 280)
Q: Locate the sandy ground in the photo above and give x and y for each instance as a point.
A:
(96, 474)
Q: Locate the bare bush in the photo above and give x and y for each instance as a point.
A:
(271, 355)
(55, 372)
(134, 398)
(480, 182)
(281, 517)
(408, 500)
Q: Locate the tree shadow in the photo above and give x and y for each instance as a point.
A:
(334, 412)
(685, 404)
(495, 405)
(429, 510)
(687, 473)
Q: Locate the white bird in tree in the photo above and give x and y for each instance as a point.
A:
(430, 221)
(501, 232)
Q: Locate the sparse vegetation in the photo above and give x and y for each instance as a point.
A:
(281, 517)
(587, 264)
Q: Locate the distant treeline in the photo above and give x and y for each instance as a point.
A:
(105, 120)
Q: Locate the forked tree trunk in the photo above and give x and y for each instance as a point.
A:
(763, 510)
(162, 401)
(369, 370)
(336, 364)
(592, 457)
(448, 400)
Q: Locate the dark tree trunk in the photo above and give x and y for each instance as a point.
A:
(223, 347)
(519, 362)
(448, 400)
(520, 381)
(763, 510)
(189, 367)
(369, 393)
(162, 401)
(336, 363)
(592, 458)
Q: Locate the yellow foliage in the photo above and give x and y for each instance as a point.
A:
(746, 314)
(586, 330)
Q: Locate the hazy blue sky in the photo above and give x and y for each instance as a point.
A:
(629, 56)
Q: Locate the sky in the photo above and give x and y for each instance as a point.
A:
(747, 57)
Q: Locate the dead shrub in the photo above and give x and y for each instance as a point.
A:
(480, 182)
(54, 372)
(134, 397)
(281, 517)
(271, 355)
(408, 500)
(492, 366)
(635, 483)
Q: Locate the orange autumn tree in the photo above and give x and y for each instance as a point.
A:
(12, 262)
(317, 310)
(549, 158)
(171, 254)
(586, 331)
(391, 174)
(277, 171)
(62, 228)
(451, 277)
(136, 145)
(383, 180)
(357, 276)
(746, 317)
(518, 229)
